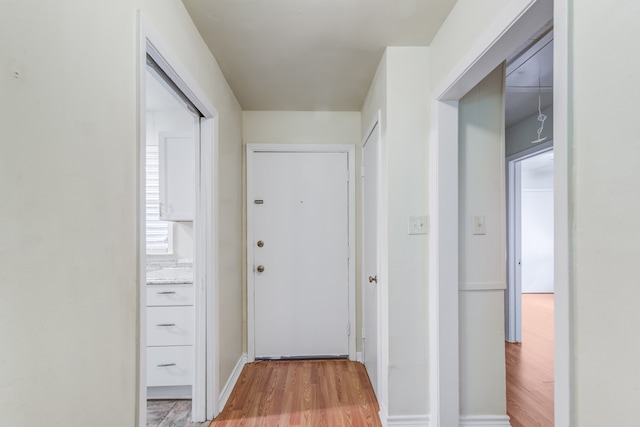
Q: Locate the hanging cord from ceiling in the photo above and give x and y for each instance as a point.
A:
(541, 117)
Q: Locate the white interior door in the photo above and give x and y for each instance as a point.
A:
(370, 284)
(301, 254)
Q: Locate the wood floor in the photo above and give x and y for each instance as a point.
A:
(170, 413)
(530, 365)
(329, 393)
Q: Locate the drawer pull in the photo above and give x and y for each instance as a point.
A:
(166, 293)
(166, 365)
(166, 324)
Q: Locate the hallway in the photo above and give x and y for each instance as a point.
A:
(530, 365)
(301, 393)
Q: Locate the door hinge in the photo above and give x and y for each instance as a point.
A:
(348, 252)
(348, 175)
(362, 171)
(348, 329)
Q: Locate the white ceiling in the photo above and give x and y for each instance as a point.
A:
(311, 54)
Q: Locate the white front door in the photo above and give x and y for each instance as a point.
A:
(370, 256)
(301, 254)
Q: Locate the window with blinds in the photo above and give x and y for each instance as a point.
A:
(158, 231)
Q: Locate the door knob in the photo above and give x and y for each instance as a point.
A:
(260, 268)
(260, 243)
(373, 279)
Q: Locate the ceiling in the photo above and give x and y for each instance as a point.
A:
(322, 54)
(529, 77)
(311, 54)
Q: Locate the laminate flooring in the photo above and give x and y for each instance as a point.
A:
(530, 365)
(170, 413)
(312, 393)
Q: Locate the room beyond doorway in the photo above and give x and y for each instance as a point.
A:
(529, 365)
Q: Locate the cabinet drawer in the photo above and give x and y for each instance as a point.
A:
(170, 326)
(170, 366)
(167, 295)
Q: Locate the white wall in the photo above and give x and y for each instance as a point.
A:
(605, 202)
(465, 24)
(69, 181)
(400, 91)
(537, 249)
(482, 256)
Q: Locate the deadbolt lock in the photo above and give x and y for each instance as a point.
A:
(260, 268)
(260, 243)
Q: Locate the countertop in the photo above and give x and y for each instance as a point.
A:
(178, 273)
(170, 276)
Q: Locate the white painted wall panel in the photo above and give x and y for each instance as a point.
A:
(68, 177)
(482, 257)
(605, 210)
(481, 186)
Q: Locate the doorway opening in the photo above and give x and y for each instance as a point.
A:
(177, 229)
(172, 130)
(502, 37)
(529, 297)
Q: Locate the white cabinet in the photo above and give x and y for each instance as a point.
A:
(170, 340)
(177, 175)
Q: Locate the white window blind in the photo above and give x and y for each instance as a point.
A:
(158, 232)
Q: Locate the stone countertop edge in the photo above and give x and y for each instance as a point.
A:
(169, 281)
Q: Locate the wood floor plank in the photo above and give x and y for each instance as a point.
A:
(301, 393)
(530, 365)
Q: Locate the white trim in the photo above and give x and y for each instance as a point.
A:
(382, 338)
(205, 387)
(359, 357)
(209, 129)
(484, 421)
(350, 150)
(408, 421)
(141, 404)
(482, 286)
(383, 413)
(169, 392)
(231, 382)
(563, 399)
(443, 275)
(503, 36)
(531, 151)
(519, 20)
(512, 295)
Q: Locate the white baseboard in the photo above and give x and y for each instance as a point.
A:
(169, 392)
(408, 421)
(383, 414)
(231, 382)
(425, 421)
(484, 421)
(359, 357)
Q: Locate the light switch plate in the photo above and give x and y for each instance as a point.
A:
(418, 224)
(479, 226)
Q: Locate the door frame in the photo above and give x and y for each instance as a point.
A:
(512, 27)
(253, 149)
(206, 390)
(382, 320)
(513, 292)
